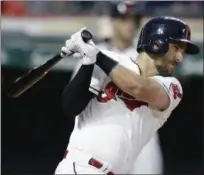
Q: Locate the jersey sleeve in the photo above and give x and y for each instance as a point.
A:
(97, 80)
(99, 77)
(174, 90)
(123, 60)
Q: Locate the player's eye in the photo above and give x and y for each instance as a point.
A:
(176, 47)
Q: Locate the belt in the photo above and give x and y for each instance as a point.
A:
(95, 163)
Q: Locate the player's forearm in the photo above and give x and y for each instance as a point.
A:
(124, 78)
(76, 95)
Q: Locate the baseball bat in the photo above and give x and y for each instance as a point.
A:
(27, 80)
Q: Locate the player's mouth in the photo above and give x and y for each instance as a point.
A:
(172, 65)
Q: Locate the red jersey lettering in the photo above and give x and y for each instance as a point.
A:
(111, 91)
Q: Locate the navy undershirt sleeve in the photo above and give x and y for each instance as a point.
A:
(76, 94)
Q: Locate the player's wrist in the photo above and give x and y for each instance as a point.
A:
(86, 60)
(105, 63)
(89, 52)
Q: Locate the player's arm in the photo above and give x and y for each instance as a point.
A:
(142, 88)
(76, 94)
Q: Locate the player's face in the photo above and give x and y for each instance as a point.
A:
(167, 64)
(124, 27)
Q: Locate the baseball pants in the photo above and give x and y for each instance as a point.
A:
(78, 162)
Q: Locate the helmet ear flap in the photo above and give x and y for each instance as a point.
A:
(157, 47)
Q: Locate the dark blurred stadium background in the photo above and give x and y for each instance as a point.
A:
(34, 133)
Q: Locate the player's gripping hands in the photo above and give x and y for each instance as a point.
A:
(75, 44)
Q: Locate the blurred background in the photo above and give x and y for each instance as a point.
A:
(34, 132)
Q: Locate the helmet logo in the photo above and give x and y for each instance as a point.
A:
(155, 47)
(160, 31)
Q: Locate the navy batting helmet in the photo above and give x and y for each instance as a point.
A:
(159, 31)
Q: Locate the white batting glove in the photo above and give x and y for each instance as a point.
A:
(69, 47)
(88, 51)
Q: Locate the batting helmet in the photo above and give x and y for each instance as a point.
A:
(160, 31)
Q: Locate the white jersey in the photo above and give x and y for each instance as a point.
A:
(115, 126)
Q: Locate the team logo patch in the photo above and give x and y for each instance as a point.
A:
(176, 91)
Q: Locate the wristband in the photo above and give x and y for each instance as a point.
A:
(105, 63)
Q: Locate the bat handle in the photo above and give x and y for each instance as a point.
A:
(86, 36)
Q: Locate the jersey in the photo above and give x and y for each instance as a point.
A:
(115, 126)
(150, 159)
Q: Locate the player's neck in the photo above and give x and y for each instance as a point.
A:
(121, 44)
(146, 65)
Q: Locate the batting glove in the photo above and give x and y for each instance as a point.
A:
(88, 50)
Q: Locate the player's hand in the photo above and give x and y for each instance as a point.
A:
(69, 47)
(88, 50)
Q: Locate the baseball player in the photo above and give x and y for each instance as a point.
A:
(125, 21)
(120, 102)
